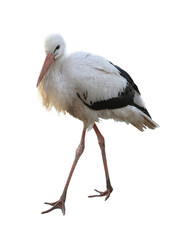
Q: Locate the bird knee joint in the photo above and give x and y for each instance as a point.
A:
(101, 142)
(80, 149)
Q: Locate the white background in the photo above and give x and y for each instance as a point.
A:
(37, 147)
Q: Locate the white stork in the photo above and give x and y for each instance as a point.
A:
(89, 87)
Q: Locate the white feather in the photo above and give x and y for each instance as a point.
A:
(93, 74)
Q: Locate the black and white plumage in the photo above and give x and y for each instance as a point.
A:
(89, 87)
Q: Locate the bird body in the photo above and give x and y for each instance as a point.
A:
(89, 87)
(75, 83)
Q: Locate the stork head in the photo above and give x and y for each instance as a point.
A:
(54, 48)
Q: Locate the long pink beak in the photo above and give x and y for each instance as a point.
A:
(48, 61)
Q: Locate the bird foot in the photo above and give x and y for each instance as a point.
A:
(60, 204)
(102, 194)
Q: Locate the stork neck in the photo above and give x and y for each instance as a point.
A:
(58, 63)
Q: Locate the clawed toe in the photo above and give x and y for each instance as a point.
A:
(52, 204)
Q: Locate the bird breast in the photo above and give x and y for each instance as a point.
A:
(54, 91)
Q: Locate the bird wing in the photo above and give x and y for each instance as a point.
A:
(99, 84)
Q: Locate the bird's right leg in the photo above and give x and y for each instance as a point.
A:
(101, 142)
(61, 202)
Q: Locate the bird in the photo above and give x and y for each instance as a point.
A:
(89, 87)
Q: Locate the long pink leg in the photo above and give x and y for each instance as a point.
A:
(61, 202)
(108, 183)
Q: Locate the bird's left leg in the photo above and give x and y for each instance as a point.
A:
(61, 202)
(108, 183)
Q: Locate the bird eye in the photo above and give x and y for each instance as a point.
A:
(57, 48)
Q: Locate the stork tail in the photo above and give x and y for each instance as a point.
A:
(148, 122)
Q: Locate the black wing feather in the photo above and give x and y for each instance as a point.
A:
(127, 77)
(124, 99)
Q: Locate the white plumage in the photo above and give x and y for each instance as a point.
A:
(89, 87)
